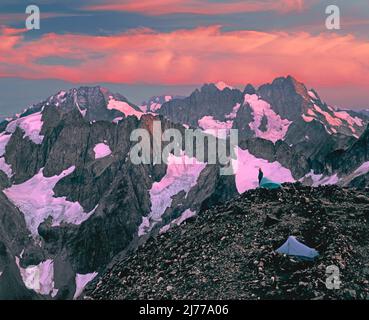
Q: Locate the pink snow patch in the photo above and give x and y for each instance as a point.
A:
(343, 115)
(39, 278)
(4, 139)
(182, 218)
(208, 122)
(215, 127)
(35, 198)
(117, 119)
(246, 168)
(154, 107)
(329, 180)
(311, 113)
(81, 282)
(307, 118)
(319, 180)
(101, 150)
(363, 169)
(123, 107)
(31, 126)
(312, 95)
(329, 118)
(182, 174)
(276, 126)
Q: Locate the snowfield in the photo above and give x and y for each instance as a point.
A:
(123, 107)
(101, 150)
(182, 174)
(246, 169)
(35, 198)
(81, 282)
(276, 127)
(31, 126)
(39, 278)
(215, 127)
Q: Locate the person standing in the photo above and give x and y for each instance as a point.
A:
(260, 175)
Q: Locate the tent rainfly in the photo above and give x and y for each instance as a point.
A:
(292, 247)
(269, 184)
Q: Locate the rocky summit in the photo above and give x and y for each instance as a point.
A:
(229, 251)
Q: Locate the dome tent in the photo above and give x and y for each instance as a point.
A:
(293, 247)
(269, 184)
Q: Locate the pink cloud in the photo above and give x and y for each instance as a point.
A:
(206, 7)
(194, 56)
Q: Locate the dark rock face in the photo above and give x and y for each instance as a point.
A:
(26, 163)
(249, 89)
(242, 121)
(228, 252)
(352, 157)
(209, 100)
(288, 97)
(14, 237)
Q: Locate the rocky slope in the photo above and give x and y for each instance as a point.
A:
(228, 252)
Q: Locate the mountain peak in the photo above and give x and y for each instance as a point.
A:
(249, 89)
(222, 85)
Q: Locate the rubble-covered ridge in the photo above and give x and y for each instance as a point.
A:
(228, 251)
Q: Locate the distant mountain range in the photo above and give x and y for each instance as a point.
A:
(71, 200)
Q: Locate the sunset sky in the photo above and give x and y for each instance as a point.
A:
(147, 47)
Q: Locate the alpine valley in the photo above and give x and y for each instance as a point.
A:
(74, 209)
